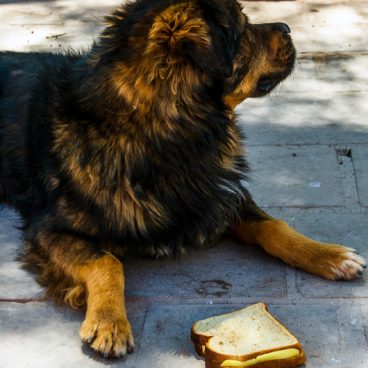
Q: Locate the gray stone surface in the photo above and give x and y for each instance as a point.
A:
(364, 311)
(332, 335)
(226, 271)
(41, 335)
(360, 159)
(306, 118)
(295, 176)
(353, 339)
(323, 331)
(166, 337)
(328, 73)
(15, 283)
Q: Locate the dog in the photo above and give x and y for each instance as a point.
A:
(134, 147)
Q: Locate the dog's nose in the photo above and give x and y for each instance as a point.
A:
(283, 28)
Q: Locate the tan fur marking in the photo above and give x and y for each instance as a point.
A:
(162, 66)
(106, 320)
(76, 297)
(175, 23)
(234, 149)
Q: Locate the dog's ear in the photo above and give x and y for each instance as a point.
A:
(214, 59)
(180, 33)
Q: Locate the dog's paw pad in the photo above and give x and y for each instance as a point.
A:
(109, 337)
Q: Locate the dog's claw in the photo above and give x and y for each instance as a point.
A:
(89, 339)
(130, 349)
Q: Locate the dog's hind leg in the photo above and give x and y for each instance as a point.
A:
(97, 274)
(331, 261)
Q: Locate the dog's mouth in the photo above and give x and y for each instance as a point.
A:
(266, 84)
(286, 57)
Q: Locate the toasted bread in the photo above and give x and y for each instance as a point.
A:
(250, 337)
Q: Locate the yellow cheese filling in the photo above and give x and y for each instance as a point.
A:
(275, 355)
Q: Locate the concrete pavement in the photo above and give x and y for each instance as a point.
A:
(308, 147)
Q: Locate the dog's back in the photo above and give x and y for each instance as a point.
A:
(26, 83)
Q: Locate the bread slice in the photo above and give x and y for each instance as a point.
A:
(250, 337)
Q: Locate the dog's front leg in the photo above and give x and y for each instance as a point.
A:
(106, 326)
(331, 261)
(98, 276)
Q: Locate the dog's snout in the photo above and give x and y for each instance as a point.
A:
(283, 28)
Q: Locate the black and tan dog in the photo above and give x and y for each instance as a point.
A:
(134, 147)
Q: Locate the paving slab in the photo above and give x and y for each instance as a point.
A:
(16, 283)
(332, 335)
(217, 274)
(295, 176)
(364, 312)
(360, 160)
(38, 335)
(322, 330)
(305, 118)
(347, 229)
(326, 73)
(354, 343)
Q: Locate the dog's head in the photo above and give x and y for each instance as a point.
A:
(179, 46)
(265, 57)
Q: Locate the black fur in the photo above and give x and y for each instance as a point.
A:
(57, 109)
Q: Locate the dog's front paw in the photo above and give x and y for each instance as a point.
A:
(336, 262)
(108, 334)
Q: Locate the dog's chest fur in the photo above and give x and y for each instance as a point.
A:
(151, 195)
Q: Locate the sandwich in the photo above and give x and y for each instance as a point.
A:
(250, 337)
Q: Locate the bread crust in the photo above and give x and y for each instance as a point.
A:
(281, 363)
(214, 359)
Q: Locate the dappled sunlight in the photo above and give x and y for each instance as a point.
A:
(359, 68)
(328, 93)
(332, 26)
(347, 111)
(342, 15)
(334, 38)
(50, 26)
(317, 26)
